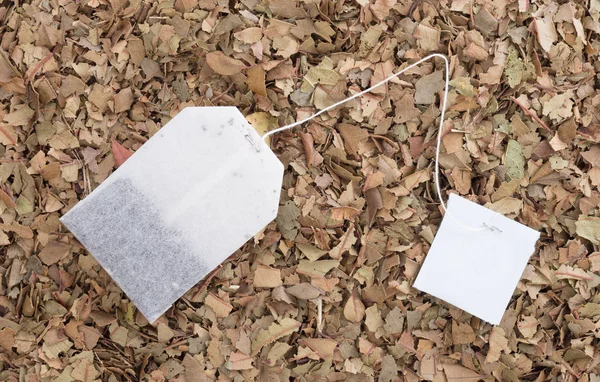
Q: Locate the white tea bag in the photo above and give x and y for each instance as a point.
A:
(476, 270)
(185, 201)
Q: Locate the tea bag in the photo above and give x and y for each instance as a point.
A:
(185, 201)
(476, 270)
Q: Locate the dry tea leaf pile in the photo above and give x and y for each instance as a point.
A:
(323, 293)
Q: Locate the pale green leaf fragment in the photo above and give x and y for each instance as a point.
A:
(557, 163)
(589, 228)
(590, 309)
(513, 68)
(463, 86)
(514, 160)
(23, 205)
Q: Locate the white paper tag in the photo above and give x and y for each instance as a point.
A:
(185, 201)
(476, 271)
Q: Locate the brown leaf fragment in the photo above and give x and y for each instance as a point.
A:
(316, 268)
(462, 333)
(7, 338)
(462, 180)
(589, 228)
(460, 373)
(6, 199)
(427, 87)
(354, 310)
(20, 116)
(353, 135)
(313, 158)
(239, 361)
(323, 347)
(344, 213)
(22, 231)
(224, 65)
(528, 326)
(53, 252)
(8, 135)
(256, 80)
(120, 153)
(381, 8)
(220, 307)
(123, 100)
(413, 180)
(546, 32)
(346, 242)
(267, 277)
(274, 332)
(591, 310)
(498, 343)
(304, 291)
(374, 204)
(6, 68)
(592, 156)
(428, 38)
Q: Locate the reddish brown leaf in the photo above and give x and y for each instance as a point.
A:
(120, 153)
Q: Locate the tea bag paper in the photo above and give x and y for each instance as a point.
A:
(476, 271)
(185, 201)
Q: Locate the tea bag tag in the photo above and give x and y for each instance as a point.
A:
(185, 201)
(476, 270)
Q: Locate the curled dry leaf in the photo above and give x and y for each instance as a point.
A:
(354, 310)
(223, 64)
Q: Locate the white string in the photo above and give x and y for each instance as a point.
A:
(439, 136)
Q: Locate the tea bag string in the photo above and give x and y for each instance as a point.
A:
(485, 226)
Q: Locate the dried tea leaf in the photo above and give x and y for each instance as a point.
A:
(256, 80)
(528, 326)
(546, 32)
(316, 268)
(304, 291)
(463, 86)
(274, 332)
(498, 343)
(346, 242)
(249, 35)
(53, 252)
(381, 8)
(589, 228)
(513, 68)
(462, 333)
(354, 310)
(239, 361)
(120, 153)
(123, 100)
(20, 116)
(323, 347)
(313, 253)
(353, 135)
(224, 65)
(267, 277)
(373, 319)
(262, 122)
(287, 220)
(460, 373)
(427, 87)
(591, 310)
(220, 307)
(514, 160)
